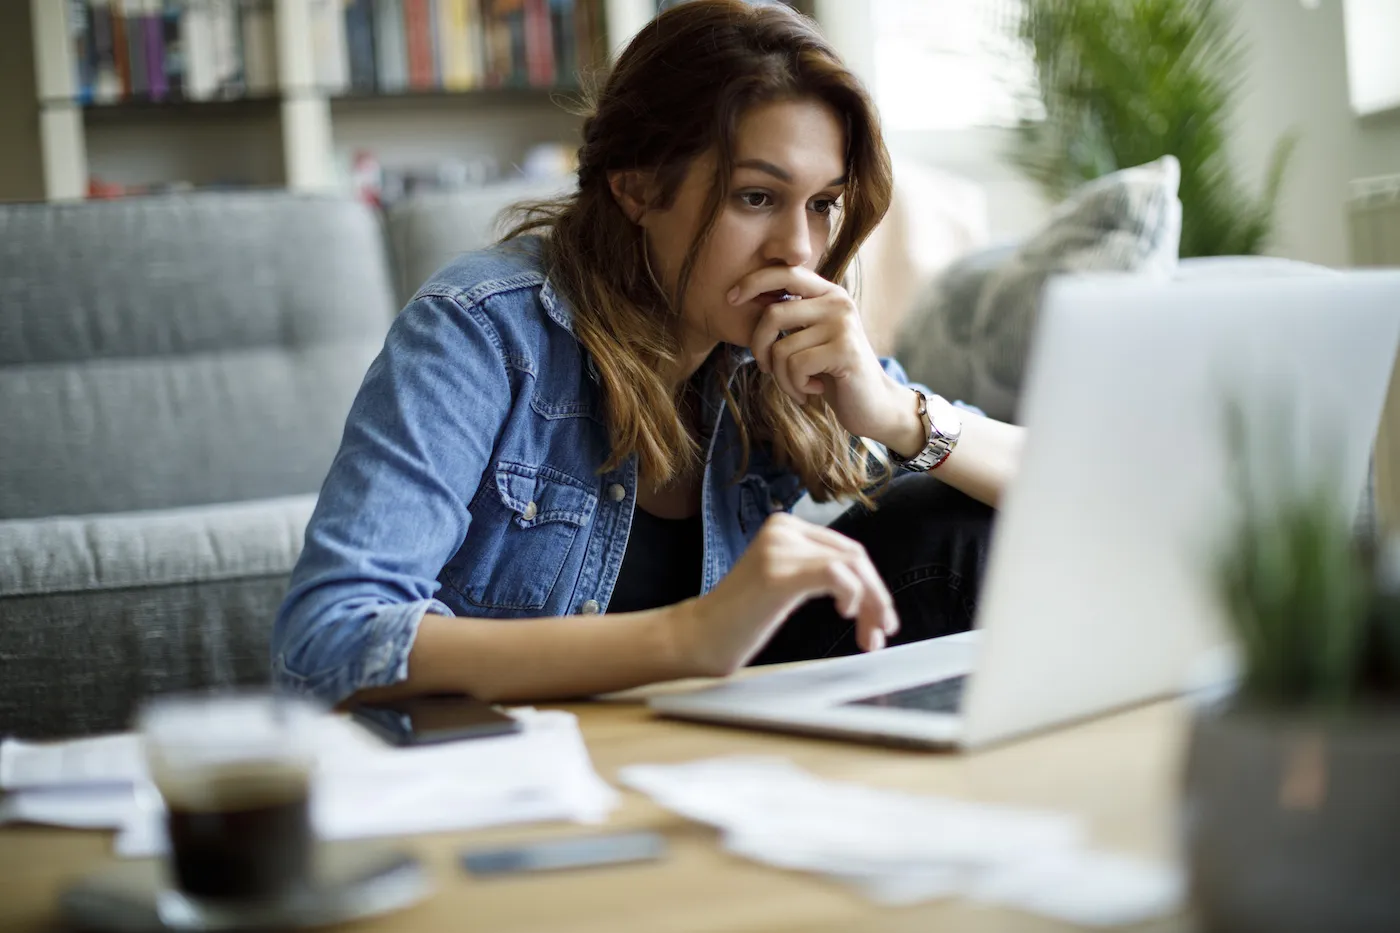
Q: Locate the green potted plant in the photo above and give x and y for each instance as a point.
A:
(1292, 784)
(1125, 82)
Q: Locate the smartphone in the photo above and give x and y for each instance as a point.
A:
(433, 718)
(558, 854)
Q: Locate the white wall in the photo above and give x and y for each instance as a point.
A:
(1298, 80)
(1379, 145)
(1373, 65)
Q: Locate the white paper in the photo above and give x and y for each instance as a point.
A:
(899, 848)
(774, 804)
(94, 806)
(102, 759)
(1087, 888)
(361, 787)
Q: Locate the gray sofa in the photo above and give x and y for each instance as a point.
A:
(174, 378)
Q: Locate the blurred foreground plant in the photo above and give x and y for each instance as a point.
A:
(1314, 608)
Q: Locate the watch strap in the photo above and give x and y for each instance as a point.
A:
(939, 444)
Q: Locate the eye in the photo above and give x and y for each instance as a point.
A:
(755, 199)
(826, 206)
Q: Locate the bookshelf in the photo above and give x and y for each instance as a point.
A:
(298, 102)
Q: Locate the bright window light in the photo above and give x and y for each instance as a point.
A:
(950, 64)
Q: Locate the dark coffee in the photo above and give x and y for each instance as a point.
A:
(242, 834)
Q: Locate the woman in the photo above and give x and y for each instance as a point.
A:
(595, 429)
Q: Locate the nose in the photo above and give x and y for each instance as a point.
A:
(789, 241)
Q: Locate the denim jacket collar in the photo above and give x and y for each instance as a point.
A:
(556, 307)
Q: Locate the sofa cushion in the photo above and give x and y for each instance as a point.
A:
(97, 612)
(426, 230)
(83, 553)
(123, 435)
(970, 335)
(173, 351)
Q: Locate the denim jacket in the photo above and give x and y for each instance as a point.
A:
(469, 482)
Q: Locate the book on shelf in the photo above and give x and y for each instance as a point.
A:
(422, 68)
(258, 30)
(170, 50)
(459, 45)
(357, 20)
(330, 46)
(390, 47)
(174, 46)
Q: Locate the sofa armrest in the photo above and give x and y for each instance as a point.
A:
(97, 612)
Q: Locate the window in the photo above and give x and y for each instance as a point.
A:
(1373, 67)
(950, 64)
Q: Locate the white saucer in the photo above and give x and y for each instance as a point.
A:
(353, 882)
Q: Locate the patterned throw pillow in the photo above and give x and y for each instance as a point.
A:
(968, 338)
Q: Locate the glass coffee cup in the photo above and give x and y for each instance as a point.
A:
(234, 774)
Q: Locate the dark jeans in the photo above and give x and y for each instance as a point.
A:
(929, 542)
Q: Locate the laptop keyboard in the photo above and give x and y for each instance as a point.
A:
(940, 696)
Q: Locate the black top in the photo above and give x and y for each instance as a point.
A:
(662, 564)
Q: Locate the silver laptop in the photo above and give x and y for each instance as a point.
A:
(1097, 593)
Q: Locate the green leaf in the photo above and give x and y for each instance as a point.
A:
(1125, 82)
(1292, 580)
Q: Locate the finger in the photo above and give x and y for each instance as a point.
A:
(844, 587)
(835, 539)
(783, 317)
(799, 280)
(782, 351)
(859, 557)
(815, 573)
(804, 365)
(810, 555)
(877, 613)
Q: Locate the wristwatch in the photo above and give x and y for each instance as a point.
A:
(944, 428)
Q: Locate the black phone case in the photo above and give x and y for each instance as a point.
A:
(394, 725)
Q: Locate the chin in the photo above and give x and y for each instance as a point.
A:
(740, 340)
(736, 336)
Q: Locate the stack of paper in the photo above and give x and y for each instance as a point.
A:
(905, 848)
(361, 787)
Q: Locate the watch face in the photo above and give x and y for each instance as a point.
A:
(945, 422)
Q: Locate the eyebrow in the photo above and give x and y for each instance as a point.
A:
(780, 174)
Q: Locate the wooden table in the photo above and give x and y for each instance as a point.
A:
(1119, 773)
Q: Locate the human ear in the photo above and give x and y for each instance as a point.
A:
(631, 190)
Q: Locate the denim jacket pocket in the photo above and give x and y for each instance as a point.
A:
(523, 527)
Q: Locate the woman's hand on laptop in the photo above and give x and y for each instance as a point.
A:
(789, 562)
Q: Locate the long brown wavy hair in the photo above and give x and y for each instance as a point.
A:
(677, 92)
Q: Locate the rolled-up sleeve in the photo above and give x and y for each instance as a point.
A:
(394, 506)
